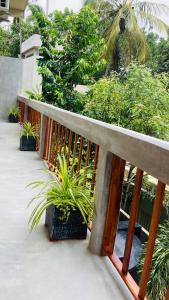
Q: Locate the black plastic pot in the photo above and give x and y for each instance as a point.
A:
(61, 230)
(13, 119)
(27, 143)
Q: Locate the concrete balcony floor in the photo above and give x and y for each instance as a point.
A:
(31, 267)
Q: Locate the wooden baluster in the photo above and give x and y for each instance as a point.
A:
(61, 140)
(87, 163)
(50, 139)
(113, 209)
(132, 220)
(80, 157)
(158, 203)
(94, 167)
(65, 140)
(74, 154)
(46, 139)
(69, 147)
(54, 128)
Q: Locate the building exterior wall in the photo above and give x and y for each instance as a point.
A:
(30, 78)
(10, 83)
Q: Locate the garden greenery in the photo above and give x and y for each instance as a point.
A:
(159, 277)
(139, 101)
(14, 110)
(29, 130)
(64, 192)
(71, 54)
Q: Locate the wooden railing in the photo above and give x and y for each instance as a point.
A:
(97, 145)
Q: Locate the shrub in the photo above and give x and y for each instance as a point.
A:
(138, 102)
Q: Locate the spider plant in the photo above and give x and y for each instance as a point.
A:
(29, 130)
(35, 94)
(63, 192)
(14, 110)
(159, 277)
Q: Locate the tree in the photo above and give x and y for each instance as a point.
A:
(10, 38)
(138, 102)
(71, 54)
(160, 53)
(122, 26)
(4, 42)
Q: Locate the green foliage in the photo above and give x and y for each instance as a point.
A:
(63, 192)
(160, 53)
(159, 277)
(34, 94)
(14, 110)
(29, 130)
(120, 23)
(71, 54)
(4, 42)
(19, 31)
(138, 102)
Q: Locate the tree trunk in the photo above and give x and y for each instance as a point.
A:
(114, 62)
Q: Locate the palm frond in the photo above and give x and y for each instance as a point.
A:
(113, 34)
(152, 8)
(154, 22)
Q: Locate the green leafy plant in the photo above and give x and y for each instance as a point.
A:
(34, 94)
(64, 192)
(75, 60)
(139, 101)
(29, 130)
(159, 277)
(14, 110)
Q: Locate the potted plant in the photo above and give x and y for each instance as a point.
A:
(28, 137)
(67, 204)
(13, 115)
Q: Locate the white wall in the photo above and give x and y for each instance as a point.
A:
(10, 83)
(30, 77)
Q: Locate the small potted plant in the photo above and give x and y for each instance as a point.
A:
(28, 137)
(67, 204)
(13, 115)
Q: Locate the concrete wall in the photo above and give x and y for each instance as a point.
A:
(10, 83)
(30, 77)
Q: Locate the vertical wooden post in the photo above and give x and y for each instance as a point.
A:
(132, 221)
(25, 113)
(113, 208)
(103, 177)
(158, 202)
(42, 136)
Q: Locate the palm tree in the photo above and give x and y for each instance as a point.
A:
(121, 20)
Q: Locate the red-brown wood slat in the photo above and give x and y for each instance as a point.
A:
(61, 139)
(113, 209)
(86, 163)
(69, 147)
(65, 141)
(74, 154)
(80, 157)
(21, 107)
(158, 202)
(129, 281)
(46, 138)
(94, 167)
(132, 220)
(52, 158)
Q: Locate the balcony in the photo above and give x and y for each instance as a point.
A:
(31, 266)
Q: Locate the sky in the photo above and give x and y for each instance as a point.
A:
(73, 4)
